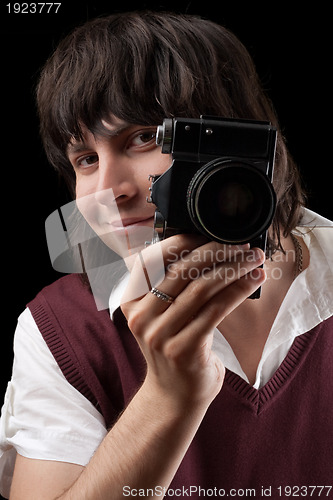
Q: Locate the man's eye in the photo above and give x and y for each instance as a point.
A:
(87, 161)
(144, 138)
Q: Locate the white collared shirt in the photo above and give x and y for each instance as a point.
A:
(44, 417)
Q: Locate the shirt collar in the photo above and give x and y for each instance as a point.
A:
(117, 293)
(312, 219)
(309, 300)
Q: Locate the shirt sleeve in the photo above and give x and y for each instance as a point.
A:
(44, 416)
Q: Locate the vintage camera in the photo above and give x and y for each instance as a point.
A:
(220, 180)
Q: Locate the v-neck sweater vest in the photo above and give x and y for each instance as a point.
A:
(256, 440)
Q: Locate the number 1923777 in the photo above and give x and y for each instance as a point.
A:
(33, 8)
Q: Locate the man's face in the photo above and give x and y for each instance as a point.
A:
(112, 183)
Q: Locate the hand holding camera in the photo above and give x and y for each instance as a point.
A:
(175, 329)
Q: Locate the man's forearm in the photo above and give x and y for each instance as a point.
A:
(142, 450)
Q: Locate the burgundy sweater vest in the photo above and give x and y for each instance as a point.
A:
(254, 441)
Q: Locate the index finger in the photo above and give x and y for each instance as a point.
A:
(150, 265)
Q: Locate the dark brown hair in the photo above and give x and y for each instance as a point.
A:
(145, 66)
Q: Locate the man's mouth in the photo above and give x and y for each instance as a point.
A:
(131, 221)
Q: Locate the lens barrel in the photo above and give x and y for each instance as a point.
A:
(231, 201)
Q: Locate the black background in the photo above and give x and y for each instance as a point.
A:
(292, 55)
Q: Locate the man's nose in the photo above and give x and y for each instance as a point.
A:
(115, 182)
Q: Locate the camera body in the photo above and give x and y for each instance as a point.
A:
(220, 181)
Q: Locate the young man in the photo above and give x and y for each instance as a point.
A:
(192, 386)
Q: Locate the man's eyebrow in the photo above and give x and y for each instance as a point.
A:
(112, 132)
(80, 146)
(76, 147)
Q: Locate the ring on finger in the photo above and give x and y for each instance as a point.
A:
(161, 295)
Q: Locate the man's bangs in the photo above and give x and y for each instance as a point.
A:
(92, 112)
(94, 108)
(133, 68)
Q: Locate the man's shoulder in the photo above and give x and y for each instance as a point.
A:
(68, 296)
(69, 284)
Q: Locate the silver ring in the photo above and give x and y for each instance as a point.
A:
(162, 295)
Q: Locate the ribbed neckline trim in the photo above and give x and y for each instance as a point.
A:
(260, 398)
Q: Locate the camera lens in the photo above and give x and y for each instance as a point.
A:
(229, 201)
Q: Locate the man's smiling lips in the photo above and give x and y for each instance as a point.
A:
(129, 222)
(134, 232)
